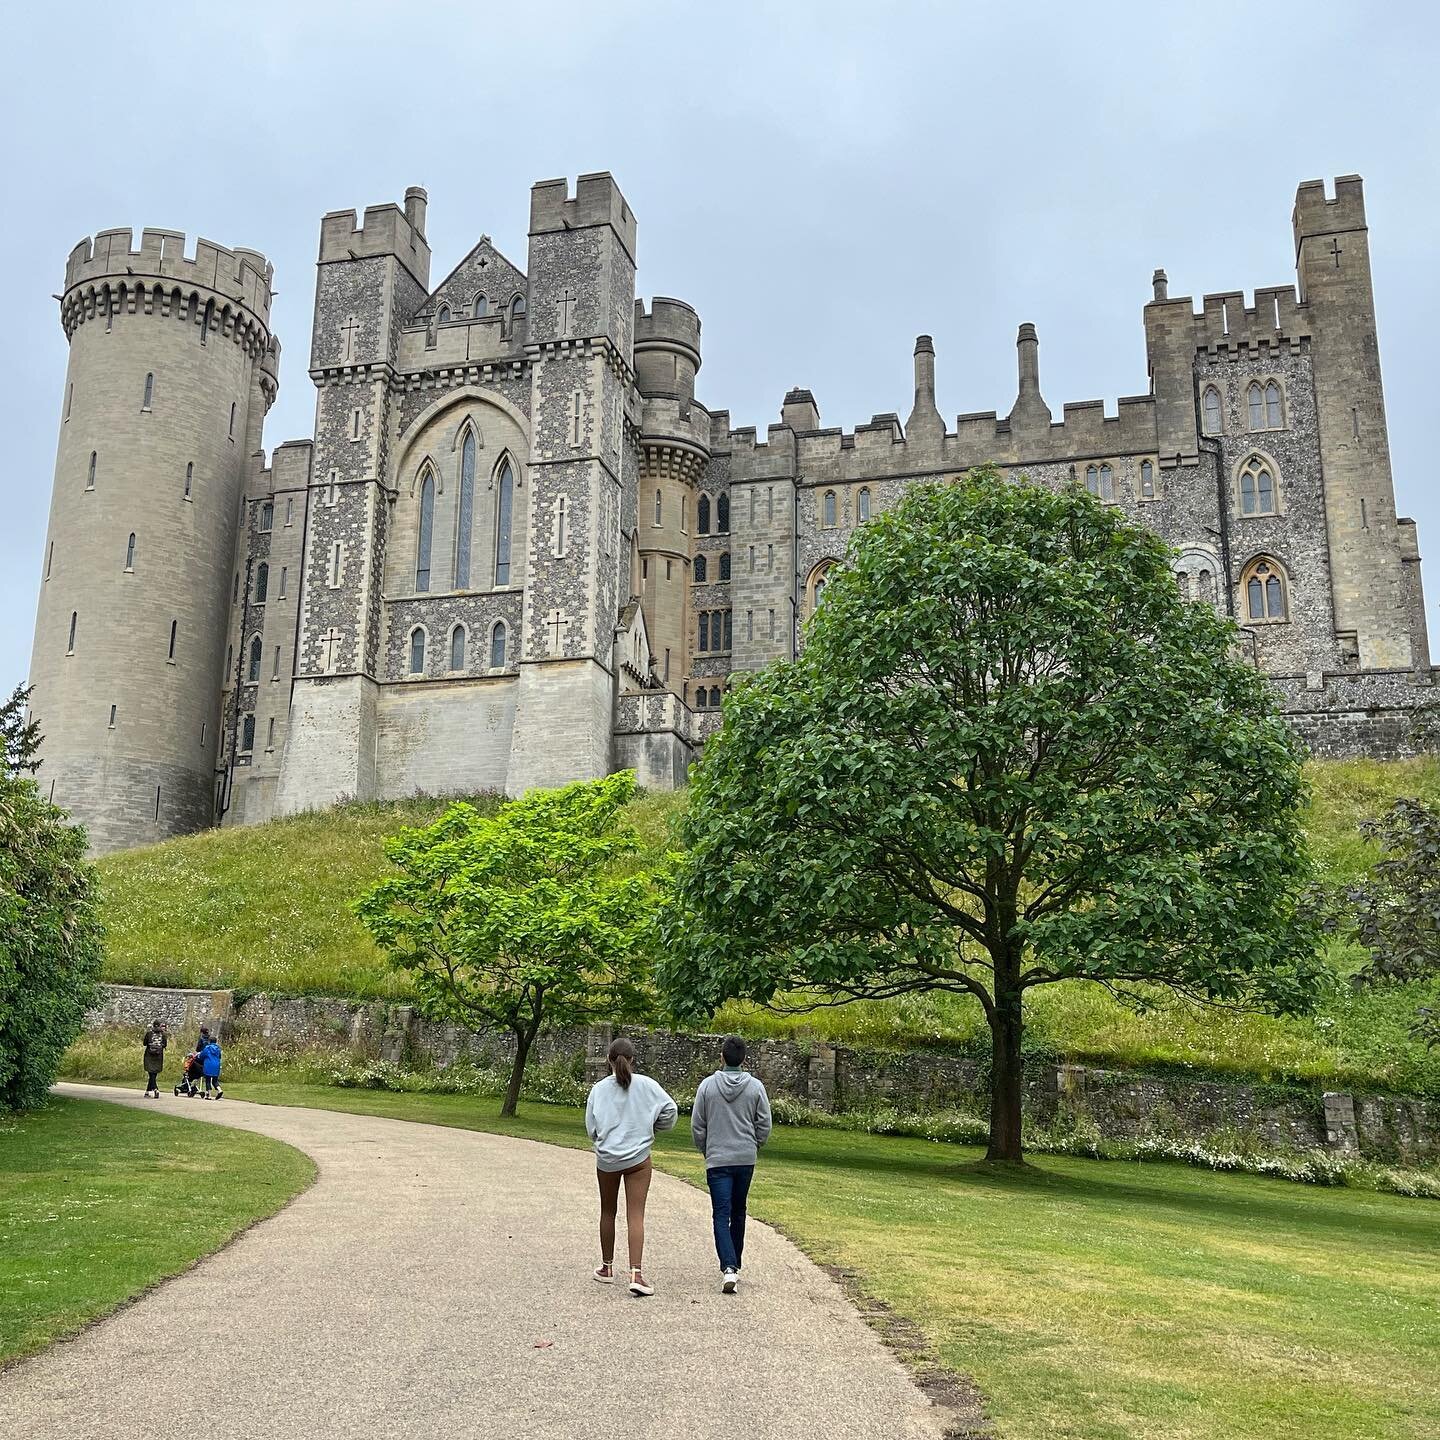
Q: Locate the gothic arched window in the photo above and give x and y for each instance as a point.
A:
(417, 650)
(504, 514)
(465, 512)
(498, 638)
(700, 570)
(457, 648)
(247, 735)
(714, 697)
(481, 307)
(819, 579)
(722, 515)
(1264, 588)
(1210, 406)
(827, 513)
(257, 654)
(700, 698)
(1272, 406)
(517, 309)
(862, 504)
(1147, 480)
(702, 515)
(724, 564)
(1257, 487)
(443, 318)
(427, 530)
(262, 582)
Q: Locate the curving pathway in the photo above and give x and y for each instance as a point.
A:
(435, 1283)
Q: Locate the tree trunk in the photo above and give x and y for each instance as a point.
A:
(523, 1040)
(1006, 1079)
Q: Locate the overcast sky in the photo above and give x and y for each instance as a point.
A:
(823, 182)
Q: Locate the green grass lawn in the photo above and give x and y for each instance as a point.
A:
(99, 1202)
(1091, 1300)
(265, 908)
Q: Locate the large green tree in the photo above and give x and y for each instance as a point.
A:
(50, 934)
(530, 919)
(1010, 754)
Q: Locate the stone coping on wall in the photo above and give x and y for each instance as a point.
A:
(1120, 1104)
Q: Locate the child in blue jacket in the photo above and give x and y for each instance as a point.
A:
(210, 1068)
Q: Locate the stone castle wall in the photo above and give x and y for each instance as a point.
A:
(840, 1078)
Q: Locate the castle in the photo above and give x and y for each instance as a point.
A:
(518, 551)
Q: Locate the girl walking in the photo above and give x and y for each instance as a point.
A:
(622, 1116)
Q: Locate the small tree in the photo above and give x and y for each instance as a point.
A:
(1395, 912)
(50, 934)
(1010, 755)
(19, 735)
(523, 921)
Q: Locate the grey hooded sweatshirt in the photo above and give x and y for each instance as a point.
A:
(731, 1119)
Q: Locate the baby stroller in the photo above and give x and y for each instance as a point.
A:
(189, 1076)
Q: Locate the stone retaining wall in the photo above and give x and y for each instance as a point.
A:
(1121, 1104)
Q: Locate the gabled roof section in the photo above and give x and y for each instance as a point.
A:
(484, 271)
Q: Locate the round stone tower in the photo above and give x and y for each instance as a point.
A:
(172, 368)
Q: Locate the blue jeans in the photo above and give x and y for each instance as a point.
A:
(729, 1186)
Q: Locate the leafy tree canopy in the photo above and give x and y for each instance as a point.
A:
(1010, 755)
(526, 920)
(51, 940)
(19, 735)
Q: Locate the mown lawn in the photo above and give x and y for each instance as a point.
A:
(99, 1202)
(1092, 1300)
(265, 908)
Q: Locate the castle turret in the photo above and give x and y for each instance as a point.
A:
(171, 370)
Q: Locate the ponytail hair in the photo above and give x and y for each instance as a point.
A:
(621, 1056)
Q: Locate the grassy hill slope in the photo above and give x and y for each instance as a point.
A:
(265, 909)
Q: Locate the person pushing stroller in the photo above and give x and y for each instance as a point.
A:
(201, 1066)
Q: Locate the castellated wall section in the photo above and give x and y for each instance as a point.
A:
(518, 549)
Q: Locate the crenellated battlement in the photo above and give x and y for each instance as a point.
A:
(597, 201)
(383, 230)
(240, 276)
(1316, 214)
(668, 322)
(1276, 315)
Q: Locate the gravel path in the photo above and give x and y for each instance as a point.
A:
(435, 1283)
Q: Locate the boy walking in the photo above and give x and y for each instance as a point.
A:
(730, 1121)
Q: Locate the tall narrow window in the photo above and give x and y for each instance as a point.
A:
(289, 509)
(684, 513)
(702, 515)
(275, 665)
(74, 621)
(457, 648)
(256, 655)
(189, 479)
(130, 552)
(270, 734)
(657, 507)
(828, 513)
(90, 474)
(752, 559)
(355, 423)
(576, 401)
(232, 419)
(1210, 407)
(1256, 399)
(284, 573)
(427, 528)
(49, 559)
(1257, 488)
(700, 698)
(465, 512)
(112, 717)
(504, 507)
(69, 398)
(1147, 480)
(1107, 483)
(700, 571)
(862, 505)
(724, 564)
(332, 489)
(443, 318)
(417, 651)
(205, 321)
(749, 624)
(722, 512)
(482, 307)
(561, 536)
(262, 582)
(267, 517)
(517, 309)
(1265, 592)
(149, 391)
(728, 632)
(1272, 406)
(752, 507)
(174, 626)
(157, 788)
(498, 637)
(235, 589)
(247, 735)
(337, 557)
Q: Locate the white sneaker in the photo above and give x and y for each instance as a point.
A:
(730, 1282)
